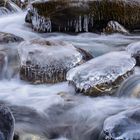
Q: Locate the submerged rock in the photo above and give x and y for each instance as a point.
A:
(83, 15)
(115, 27)
(130, 87)
(123, 126)
(9, 38)
(6, 124)
(102, 74)
(134, 50)
(46, 61)
(7, 6)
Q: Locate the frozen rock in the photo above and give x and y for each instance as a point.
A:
(115, 27)
(83, 15)
(134, 50)
(46, 61)
(123, 126)
(102, 74)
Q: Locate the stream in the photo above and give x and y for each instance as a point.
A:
(55, 111)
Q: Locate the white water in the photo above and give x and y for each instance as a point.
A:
(83, 114)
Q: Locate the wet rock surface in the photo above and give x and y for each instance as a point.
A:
(46, 61)
(102, 74)
(123, 126)
(115, 27)
(82, 16)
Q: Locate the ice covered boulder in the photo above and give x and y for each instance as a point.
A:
(82, 15)
(123, 126)
(115, 27)
(47, 61)
(102, 74)
(134, 50)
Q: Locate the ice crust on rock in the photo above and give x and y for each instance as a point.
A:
(45, 59)
(103, 69)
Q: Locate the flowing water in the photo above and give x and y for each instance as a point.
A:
(55, 111)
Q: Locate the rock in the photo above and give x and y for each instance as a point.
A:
(46, 61)
(123, 126)
(7, 6)
(115, 27)
(83, 15)
(9, 38)
(134, 50)
(102, 74)
(130, 87)
(6, 124)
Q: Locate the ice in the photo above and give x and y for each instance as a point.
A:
(57, 53)
(106, 68)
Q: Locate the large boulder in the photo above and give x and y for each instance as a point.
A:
(102, 74)
(46, 61)
(123, 126)
(83, 15)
